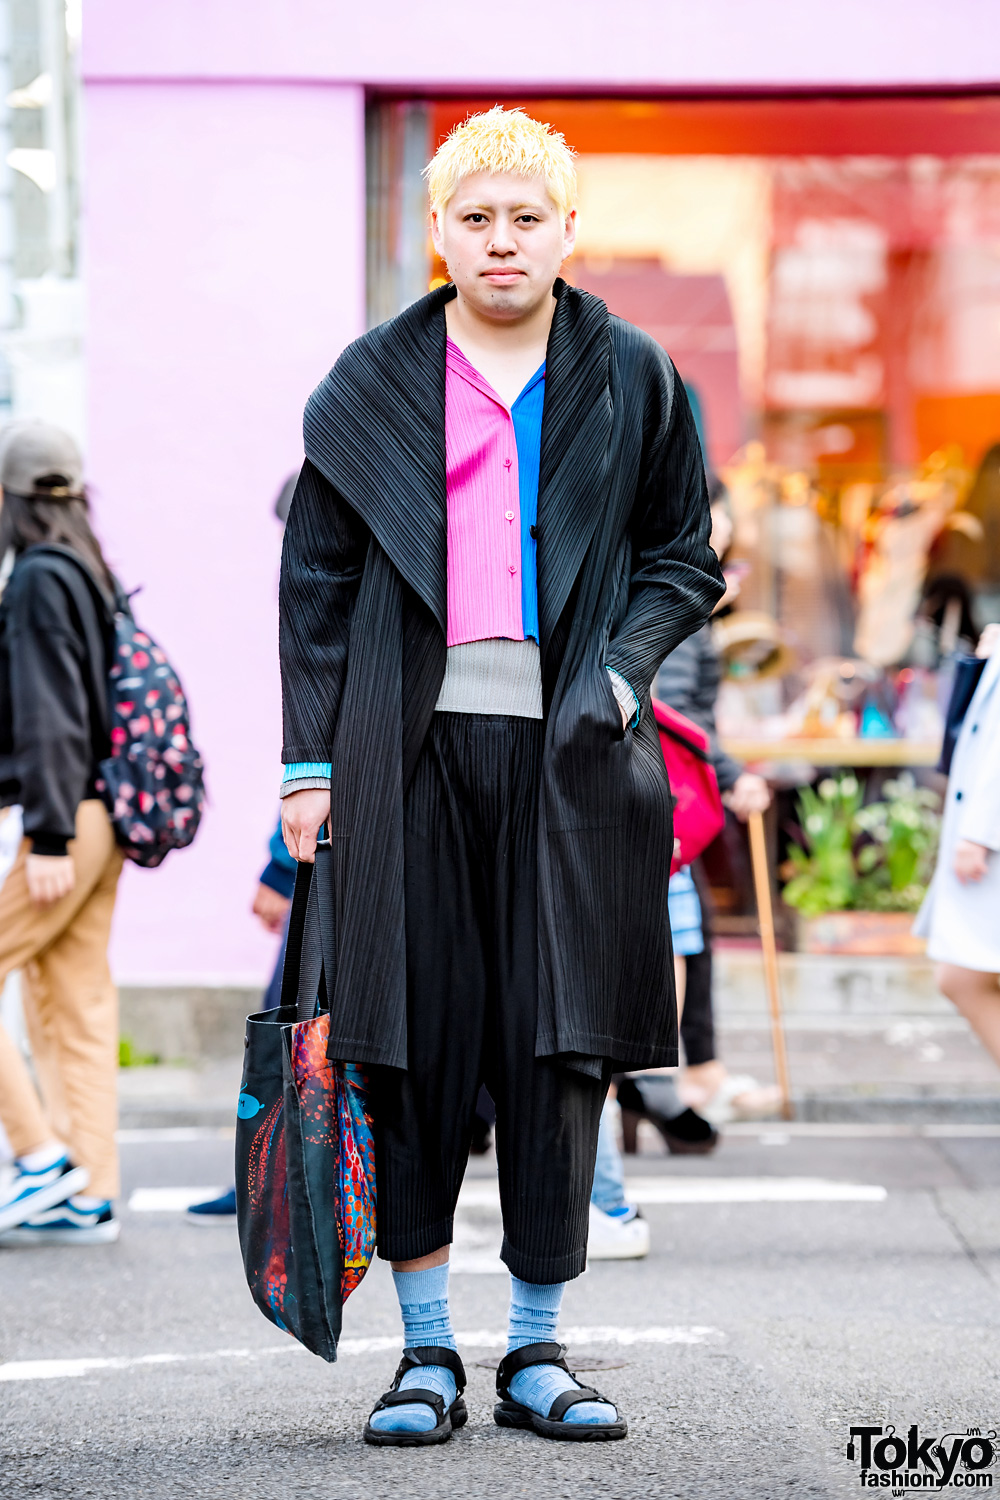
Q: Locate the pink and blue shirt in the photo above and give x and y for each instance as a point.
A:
(493, 460)
(493, 456)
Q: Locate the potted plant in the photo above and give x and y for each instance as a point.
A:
(858, 873)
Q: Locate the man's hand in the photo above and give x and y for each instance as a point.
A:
(50, 877)
(302, 816)
(271, 907)
(970, 861)
(748, 794)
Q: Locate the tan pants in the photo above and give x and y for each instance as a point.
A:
(70, 1007)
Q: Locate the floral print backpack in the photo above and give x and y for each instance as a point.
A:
(153, 781)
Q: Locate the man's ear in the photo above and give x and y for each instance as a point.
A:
(569, 233)
(436, 235)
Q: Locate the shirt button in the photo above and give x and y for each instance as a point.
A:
(958, 795)
(514, 570)
(508, 515)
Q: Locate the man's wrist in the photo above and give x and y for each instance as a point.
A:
(626, 695)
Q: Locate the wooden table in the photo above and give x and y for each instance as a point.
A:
(835, 752)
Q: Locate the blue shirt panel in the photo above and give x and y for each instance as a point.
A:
(526, 414)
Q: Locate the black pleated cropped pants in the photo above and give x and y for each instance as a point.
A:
(471, 827)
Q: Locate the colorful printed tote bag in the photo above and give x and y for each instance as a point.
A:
(305, 1159)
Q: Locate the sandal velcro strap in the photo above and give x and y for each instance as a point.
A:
(566, 1399)
(432, 1354)
(528, 1354)
(414, 1393)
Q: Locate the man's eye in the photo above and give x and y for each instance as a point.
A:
(475, 219)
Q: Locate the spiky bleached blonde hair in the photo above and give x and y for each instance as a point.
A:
(503, 140)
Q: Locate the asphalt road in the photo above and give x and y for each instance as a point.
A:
(746, 1346)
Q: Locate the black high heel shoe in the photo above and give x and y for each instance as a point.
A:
(686, 1134)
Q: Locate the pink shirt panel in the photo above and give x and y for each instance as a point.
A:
(484, 511)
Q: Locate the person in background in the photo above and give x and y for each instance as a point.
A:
(688, 681)
(617, 1229)
(654, 1096)
(959, 916)
(57, 901)
(271, 905)
(944, 622)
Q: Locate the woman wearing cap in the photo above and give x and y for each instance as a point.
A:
(57, 900)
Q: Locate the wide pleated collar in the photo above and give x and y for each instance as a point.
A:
(375, 428)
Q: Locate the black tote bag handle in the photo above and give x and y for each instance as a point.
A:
(302, 980)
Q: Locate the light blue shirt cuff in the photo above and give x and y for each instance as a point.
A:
(300, 770)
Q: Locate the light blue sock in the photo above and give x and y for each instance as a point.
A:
(534, 1318)
(423, 1302)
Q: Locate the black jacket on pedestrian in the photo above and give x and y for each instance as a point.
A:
(625, 572)
(689, 682)
(54, 642)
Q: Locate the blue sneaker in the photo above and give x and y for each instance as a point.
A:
(215, 1210)
(67, 1224)
(28, 1193)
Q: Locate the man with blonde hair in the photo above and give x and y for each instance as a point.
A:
(500, 530)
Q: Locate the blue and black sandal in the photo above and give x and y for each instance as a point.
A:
(511, 1413)
(449, 1419)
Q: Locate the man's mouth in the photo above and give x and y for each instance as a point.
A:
(504, 277)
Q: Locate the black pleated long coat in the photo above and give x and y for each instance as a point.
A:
(625, 572)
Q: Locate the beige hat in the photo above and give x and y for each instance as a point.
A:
(37, 458)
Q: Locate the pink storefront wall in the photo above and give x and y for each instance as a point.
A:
(589, 44)
(224, 269)
(224, 263)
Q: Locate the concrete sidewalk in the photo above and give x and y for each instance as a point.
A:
(869, 1039)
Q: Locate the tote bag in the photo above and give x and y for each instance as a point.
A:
(305, 1159)
(699, 816)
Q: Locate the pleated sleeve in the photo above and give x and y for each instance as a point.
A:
(322, 559)
(676, 579)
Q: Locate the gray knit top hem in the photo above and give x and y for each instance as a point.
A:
(492, 677)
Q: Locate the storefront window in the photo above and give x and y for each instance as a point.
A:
(826, 276)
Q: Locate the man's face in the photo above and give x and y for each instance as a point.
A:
(503, 240)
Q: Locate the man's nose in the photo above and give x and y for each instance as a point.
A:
(502, 243)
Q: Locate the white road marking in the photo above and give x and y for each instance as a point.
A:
(483, 1193)
(68, 1369)
(477, 1262)
(156, 1135)
(750, 1190)
(480, 1192)
(170, 1200)
(846, 1130)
